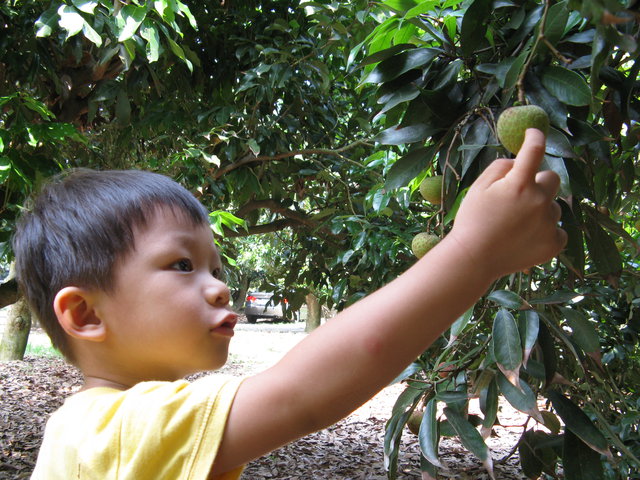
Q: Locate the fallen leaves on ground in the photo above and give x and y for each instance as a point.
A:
(32, 389)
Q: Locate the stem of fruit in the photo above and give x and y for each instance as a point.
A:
(532, 52)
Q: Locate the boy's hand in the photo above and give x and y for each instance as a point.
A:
(508, 220)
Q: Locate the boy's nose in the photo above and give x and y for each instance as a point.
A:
(217, 293)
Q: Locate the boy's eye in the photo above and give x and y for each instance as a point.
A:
(183, 265)
(217, 273)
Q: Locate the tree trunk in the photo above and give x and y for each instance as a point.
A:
(240, 295)
(8, 292)
(16, 332)
(313, 313)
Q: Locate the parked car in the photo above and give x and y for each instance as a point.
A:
(261, 305)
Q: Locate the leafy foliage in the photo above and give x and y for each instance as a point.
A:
(316, 123)
(444, 71)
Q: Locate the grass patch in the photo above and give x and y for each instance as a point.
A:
(42, 351)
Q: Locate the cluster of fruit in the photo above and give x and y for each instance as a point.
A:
(512, 124)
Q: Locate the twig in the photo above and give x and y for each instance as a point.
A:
(525, 67)
(250, 158)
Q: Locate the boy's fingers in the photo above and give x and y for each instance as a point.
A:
(530, 155)
(549, 182)
(495, 171)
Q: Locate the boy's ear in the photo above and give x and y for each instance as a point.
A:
(77, 316)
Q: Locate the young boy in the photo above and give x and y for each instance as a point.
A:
(122, 271)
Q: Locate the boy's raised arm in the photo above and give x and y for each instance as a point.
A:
(508, 222)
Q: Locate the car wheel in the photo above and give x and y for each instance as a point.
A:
(252, 318)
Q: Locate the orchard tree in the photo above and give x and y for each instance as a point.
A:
(320, 119)
(568, 330)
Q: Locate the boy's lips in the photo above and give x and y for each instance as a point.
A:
(226, 325)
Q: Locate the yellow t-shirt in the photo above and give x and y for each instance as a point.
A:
(154, 430)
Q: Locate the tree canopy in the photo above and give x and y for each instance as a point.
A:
(317, 121)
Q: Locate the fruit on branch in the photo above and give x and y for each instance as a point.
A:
(422, 243)
(514, 121)
(415, 419)
(431, 189)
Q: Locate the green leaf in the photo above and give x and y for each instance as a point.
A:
(428, 436)
(529, 327)
(558, 144)
(459, 325)
(580, 462)
(566, 85)
(522, 398)
(559, 296)
(449, 75)
(179, 52)
(578, 422)
(91, 35)
(573, 254)
(85, 6)
(452, 397)
(384, 54)
(538, 95)
(400, 5)
(512, 74)
(474, 25)
(602, 249)
(536, 453)
(150, 33)
(453, 210)
(469, 436)
(474, 138)
(38, 107)
(70, 20)
(399, 136)
(584, 332)
(46, 22)
(557, 19)
(556, 164)
(489, 405)
(508, 299)
(548, 347)
(5, 168)
(423, 7)
(405, 93)
(507, 348)
(133, 17)
(427, 470)
(405, 403)
(415, 367)
(408, 167)
(401, 63)
(187, 13)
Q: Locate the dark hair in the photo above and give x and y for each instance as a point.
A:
(80, 225)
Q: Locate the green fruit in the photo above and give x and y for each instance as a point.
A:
(431, 189)
(515, 120)
(422, 243)
(415, 419)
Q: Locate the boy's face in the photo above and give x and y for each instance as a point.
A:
(168, 314)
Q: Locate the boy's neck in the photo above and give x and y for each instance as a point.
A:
(95, 382)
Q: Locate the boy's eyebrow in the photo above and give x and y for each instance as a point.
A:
(189, 240)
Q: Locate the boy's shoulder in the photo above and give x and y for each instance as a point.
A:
(106, 428)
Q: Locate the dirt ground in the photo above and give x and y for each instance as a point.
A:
(350, 450)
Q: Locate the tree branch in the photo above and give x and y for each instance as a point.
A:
(275, 226)
(250, 158)
(8, 293)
